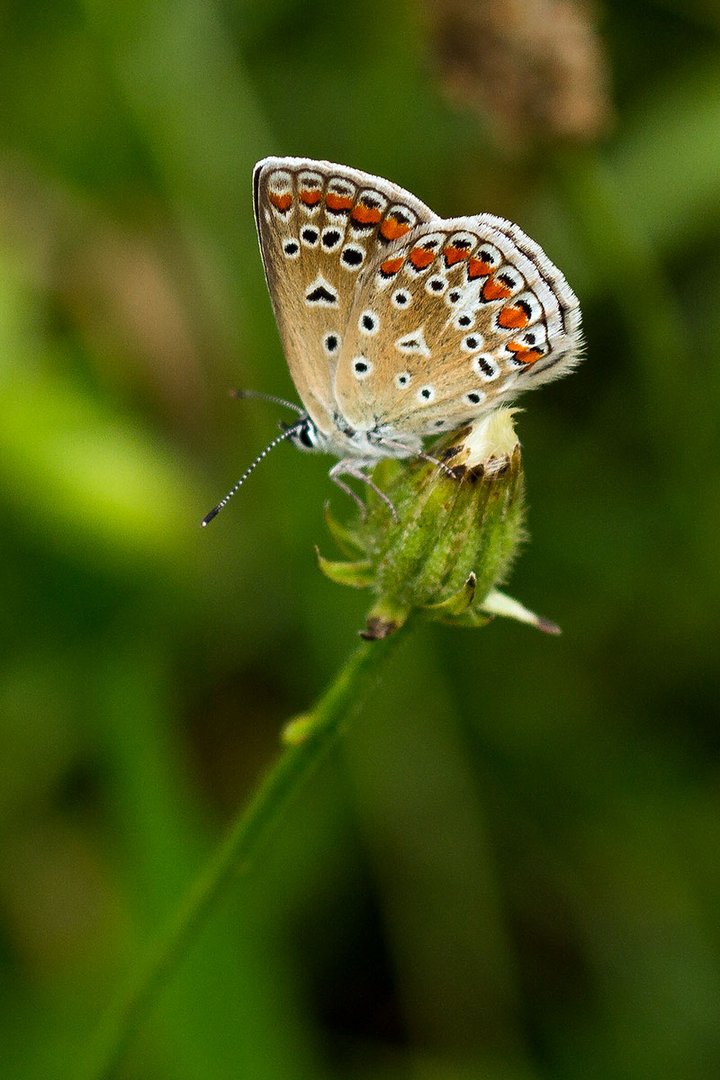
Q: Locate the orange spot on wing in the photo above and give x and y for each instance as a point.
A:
(421, 257)
(391, 266)
(522, 353)
(365, 215)
(338, 202)
(494, 290)
(281, 202)
(310, 196)
(454, 254)
(477, 268)
(513, 317)
(391, 228)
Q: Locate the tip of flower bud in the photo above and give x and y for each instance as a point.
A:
(485, 447)
(454, 537)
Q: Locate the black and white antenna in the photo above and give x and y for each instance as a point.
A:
(287, 434)
(241, 395)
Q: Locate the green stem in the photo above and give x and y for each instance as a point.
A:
(308, 741)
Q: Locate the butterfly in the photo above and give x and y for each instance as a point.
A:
(398, 324)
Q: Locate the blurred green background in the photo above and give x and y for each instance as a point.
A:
(511, 870)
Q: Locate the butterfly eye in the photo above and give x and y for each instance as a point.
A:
(426, 393)
(403, 379)
(401, 299)
(462, 322)
(291, 249)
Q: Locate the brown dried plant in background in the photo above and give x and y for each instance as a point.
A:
(534, 69)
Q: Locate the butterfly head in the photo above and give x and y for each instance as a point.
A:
(304, 434)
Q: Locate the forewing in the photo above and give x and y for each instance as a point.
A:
(319, 226)
(454, 319)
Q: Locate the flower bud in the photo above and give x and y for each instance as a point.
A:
(457, 524)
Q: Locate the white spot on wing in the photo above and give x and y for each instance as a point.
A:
(472, 343)
(368, 323)
(401, 299)
(362, 367)
(436, 285)
(309, 235)
(528, 297)
(320, 293)
(414, 343)
(352, 257)
(280, 181)
(332, 238)
(475, 397)
(485, 367)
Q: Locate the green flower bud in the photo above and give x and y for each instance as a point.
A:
(457, 525)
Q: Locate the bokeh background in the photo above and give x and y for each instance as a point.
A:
(511, 868)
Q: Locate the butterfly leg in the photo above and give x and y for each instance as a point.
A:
(335, 477)
(350, 468)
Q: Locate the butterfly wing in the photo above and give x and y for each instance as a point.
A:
(319, 225)
(457, 317)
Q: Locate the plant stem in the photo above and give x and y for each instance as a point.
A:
(308, 740)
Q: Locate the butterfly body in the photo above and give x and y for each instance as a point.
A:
(365, 447)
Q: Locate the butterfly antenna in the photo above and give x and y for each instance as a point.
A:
(260, 396)
(287, 434)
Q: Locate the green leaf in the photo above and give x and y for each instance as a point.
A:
(358, 575)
